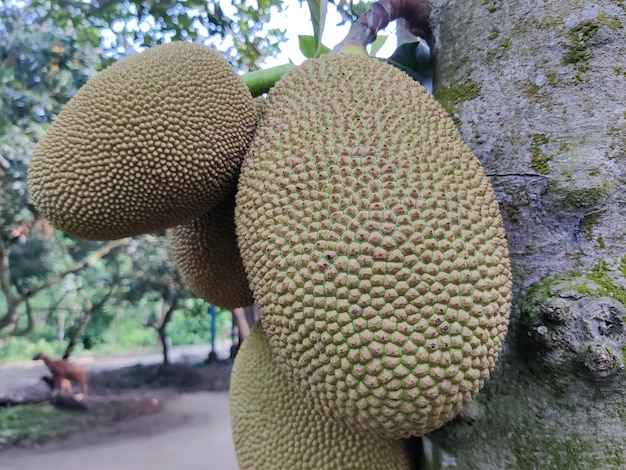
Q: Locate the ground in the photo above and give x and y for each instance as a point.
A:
(143, 416)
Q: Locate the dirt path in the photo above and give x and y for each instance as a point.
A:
(17, 376)
(192, 432)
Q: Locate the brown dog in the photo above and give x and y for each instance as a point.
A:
(64, 372)
(64, 386)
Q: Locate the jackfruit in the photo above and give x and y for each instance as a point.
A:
(374, 247)
(274, 428)
(260, 105)
(206, 254)
(153, 141)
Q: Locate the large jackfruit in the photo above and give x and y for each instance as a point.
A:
(153, 141)
(206, 254)
(374, 247)
(274, 428)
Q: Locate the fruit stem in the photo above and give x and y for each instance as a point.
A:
(415, 14)
(260, 81)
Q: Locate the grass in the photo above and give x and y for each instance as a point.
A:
(32, 421)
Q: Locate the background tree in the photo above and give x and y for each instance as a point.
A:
(156, 277)
(39, 73)
(539, 92)
(140, 23)
(48, 49)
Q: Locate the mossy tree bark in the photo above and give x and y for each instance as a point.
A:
(538, 89)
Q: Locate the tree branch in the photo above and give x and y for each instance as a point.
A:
(168, 308)
(5, 274)
(415, 14)
(88, 261)
(53, 307)
(89, 312)
(29, 325)
(10, 316)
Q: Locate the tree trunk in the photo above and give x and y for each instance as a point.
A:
(61, 327)
(169, 305)
(163, 341)
(252, 315)
(538, 89)
(241, 322)
(75, 337)
(89, 309)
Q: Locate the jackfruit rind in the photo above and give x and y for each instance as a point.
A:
(206, 254)
(259, 106)
(274, 428)
(153, 141)
(374, 247)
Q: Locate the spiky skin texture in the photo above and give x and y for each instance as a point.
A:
(206, 254)
(260, 105)
(153, 141)
(374, 247)
(274, 428)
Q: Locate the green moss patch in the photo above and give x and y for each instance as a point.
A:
(605, 286)
(569, 452)
(452, 96)
(578, 37)
(610, 21)
(494, 33)
(586, 197)
(539, 161)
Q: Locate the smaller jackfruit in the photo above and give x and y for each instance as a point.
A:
(260, 105)
(153, 141)
(274, 428)
(207, 256)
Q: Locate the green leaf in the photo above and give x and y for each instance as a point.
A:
(377, 44)
(94, 36)
(405, 55)
(411, 55)
(416, 60)
(323, 50)
(318, 18)
(308, 47)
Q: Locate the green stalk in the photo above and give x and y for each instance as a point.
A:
(260, 81)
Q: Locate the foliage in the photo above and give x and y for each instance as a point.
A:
(126, 329)
(310, 47)
(318, 18)
(38, 74)
(25, 348)
(193, 326)
(136, 24)
(55, 287)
